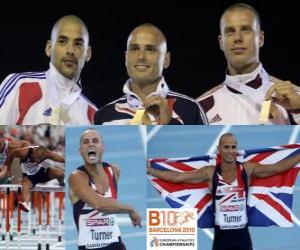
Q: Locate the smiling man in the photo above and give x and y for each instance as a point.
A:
(146, 58)
(240, 98)
(54, 96)
(93, 193)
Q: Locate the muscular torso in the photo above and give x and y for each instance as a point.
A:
(227, 175)
(100, 181)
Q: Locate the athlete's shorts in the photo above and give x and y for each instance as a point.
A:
(41, 176)
(233, 239)
(114, 246)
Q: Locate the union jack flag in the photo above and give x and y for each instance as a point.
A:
(269, 199)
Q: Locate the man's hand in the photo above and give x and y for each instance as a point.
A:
(158, 107)
(149, 168)
(135, 218)
(285, 94)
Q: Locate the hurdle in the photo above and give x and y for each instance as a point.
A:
(8, 189)
(47, 190)
(7, 208)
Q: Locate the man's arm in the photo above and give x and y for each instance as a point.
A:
(53, 156)
(9, 90)
(23, 144)
(15, 153)
(191, 177)
(78, 182)
(266, 170)
(18, 144)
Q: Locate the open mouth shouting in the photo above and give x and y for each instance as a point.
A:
(92, 155)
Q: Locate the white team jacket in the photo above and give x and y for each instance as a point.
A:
(226, 105)
(43, 98)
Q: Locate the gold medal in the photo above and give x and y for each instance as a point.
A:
(138, 117)
(265, 111)
(54, 119)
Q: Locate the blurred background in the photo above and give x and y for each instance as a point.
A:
(51, 137)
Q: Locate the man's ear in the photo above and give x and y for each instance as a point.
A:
(261, 38)
(221, 42)
(125, 53)
(88, 54)
(48, 48)
(167, 60)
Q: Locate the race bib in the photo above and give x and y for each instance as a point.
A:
(97, 230)
(231, 207)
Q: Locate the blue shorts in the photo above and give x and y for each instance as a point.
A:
(41, 176)
(233, 239)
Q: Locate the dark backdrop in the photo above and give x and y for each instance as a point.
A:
(191, 28)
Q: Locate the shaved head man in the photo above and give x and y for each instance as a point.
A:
(54, 96)
(225, 180)
(147, 98)
(69, 29)
(155, 44)
(93, 194)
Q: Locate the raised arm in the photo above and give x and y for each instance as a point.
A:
(80, 188)
(191, 177)
(266, 170)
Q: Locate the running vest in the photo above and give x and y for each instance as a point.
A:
(4, 154)
(96, 229)
(29, 167)
(230, 199)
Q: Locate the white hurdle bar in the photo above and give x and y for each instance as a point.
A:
(7, 190)
(47, 190)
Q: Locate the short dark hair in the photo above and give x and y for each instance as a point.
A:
(243, 7)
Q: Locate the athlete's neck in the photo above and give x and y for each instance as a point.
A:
(142, 90)
(246, 69)
(227, 167)
(94, 169)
